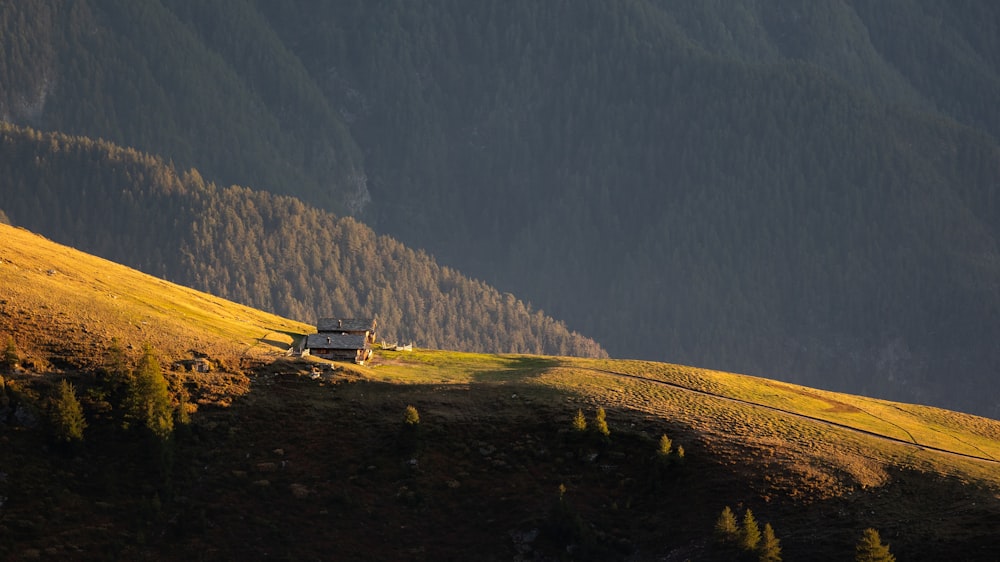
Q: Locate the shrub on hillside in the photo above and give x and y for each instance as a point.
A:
(411, 416)
(9, 359)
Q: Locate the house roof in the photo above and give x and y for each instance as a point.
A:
(345, 324)
(337, 341)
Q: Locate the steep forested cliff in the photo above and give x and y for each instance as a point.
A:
(801, 190)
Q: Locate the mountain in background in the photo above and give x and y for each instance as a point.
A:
(802, 190)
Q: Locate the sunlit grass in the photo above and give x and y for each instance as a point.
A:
(56, 287)
(829, 441)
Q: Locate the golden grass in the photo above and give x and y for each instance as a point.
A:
(48, 291)
(812, 441)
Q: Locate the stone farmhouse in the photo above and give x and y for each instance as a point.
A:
(342, 339)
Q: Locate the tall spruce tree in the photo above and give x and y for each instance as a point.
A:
(749, 532)
(725, 526)
(148, 400)
(770, 546)
(601, 423)
(68, 421)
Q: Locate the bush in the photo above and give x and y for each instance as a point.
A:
(9, 359)
(579, 422)
(411, 416)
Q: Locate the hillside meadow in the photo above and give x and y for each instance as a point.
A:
(295, 458)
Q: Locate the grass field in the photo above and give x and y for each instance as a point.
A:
(275, 453)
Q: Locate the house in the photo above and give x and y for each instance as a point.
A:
(355, 326)
(339, 347)
(342, 339)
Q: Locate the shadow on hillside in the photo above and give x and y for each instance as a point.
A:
(269, 339)
(517, 369)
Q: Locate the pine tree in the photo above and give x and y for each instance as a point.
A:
(666, 446)
(148, 400)
(601, 423)
(725, 526)
(871, 549)
(749, 532)
(770, 546)
(117, 374)
(579, 422)
(67, 415)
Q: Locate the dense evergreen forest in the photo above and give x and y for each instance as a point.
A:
(800, 190)
(271, 252)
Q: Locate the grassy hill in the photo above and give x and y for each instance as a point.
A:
(280, 462)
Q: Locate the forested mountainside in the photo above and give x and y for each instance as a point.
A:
(267, 251)
(797, 189)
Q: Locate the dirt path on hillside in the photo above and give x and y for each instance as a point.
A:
(912, 442)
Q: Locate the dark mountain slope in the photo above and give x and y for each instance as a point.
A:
(226, 97)
(785, 201)
(259, 249)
